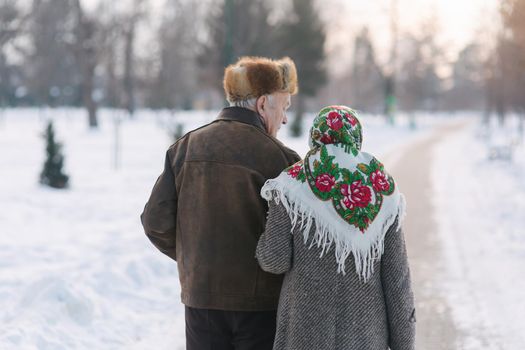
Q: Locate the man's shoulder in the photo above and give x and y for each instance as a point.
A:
(271, 146)
(282, 146)
(178, 150)
(291, 155)
(216, 139)
(183, 140)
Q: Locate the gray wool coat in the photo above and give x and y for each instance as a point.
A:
(321, 309)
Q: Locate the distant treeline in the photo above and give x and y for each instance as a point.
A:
(126, 55)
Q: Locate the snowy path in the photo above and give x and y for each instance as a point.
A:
(76, 271)
(435, 328)
(465, 238)
(480, 204)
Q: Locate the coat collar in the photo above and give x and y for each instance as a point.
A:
(243, 115)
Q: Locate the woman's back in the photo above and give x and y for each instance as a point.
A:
(338, 210)
(320, 308)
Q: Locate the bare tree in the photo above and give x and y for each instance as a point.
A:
(504, 80)
(110, 25)
(367, 77)
(302, 37)
(50, 67)
(85, 48)
(11, 26)
(510, 57)
(390, 70)
(235, 28)
(419, 86)
(130, 23)
(11, 20)
(175, 84)
(468, 80)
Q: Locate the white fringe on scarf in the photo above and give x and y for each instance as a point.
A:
(304, 208)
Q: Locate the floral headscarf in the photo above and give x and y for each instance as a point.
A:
(347, 192)
(336, 124)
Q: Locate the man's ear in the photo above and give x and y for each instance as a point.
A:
(261, 104)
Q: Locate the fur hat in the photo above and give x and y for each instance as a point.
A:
(252, 77)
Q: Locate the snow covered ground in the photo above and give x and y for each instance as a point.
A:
(481, 218)
(76, 270)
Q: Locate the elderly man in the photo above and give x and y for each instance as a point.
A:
(206, 213)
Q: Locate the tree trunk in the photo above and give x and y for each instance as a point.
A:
(128, 69)
(92, 112)
(4, 78)
(521, 128)
(87, 88)
(500, 109)
(296, 128)
(112, 97)
(86, 54)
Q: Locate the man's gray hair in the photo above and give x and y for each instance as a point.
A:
(250, 103)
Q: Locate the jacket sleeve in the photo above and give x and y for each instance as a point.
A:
(399, 298)
(275, 248)
(160, 213)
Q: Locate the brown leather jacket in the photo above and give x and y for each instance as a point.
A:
(206, 212)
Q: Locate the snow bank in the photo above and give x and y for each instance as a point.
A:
(480, 211)
(76, 270)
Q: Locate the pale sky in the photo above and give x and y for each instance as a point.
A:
(458, 18)
(458, 21)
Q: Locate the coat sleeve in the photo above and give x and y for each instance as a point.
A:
(399, 298)
(160, 213)
(275, 248)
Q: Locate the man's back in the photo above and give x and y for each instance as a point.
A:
(205, 210)
(217, 172)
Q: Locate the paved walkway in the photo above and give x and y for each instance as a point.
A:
(435, 328)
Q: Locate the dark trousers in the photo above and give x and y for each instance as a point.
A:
(229, 330)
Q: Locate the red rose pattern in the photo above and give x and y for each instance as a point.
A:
(379, 181)
(356, 195)
(325, 182)
(326, 139)
(351, 119)
(333, 120)
(295, 170)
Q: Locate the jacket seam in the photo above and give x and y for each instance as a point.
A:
(223, 163)
(269, 137)
(243, 122)
(188, 134)
(274, 142)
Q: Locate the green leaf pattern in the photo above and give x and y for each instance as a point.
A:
(370, 181)
(347, 129)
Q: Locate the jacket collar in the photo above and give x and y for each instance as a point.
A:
(243, 115)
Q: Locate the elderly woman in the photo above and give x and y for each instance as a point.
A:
(334, 230)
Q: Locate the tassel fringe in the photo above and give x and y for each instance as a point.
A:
(326, 233)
